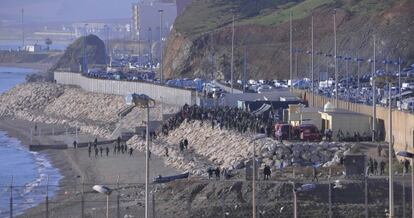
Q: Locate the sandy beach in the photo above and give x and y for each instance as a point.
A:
(78, 168)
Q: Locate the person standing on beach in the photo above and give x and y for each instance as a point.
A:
(130, 152)
(101, 149)
(107, 151)
(89, 150)
(75, 144)
(96, 152)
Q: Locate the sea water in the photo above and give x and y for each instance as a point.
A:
(27, 172)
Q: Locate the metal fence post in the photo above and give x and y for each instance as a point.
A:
(83, 198)
(118, 211)
(11, 198)
(153, 202)
(403, 194)
(330, 193)
(47, 197)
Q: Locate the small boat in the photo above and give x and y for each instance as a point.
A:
(166, 179)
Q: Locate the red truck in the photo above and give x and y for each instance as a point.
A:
(309, 132)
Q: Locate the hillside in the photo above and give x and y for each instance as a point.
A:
(72, 58)
(262, 28)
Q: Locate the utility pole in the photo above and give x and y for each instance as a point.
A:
(330, 193)
(336, 61)
(374, 94)
(244, 70)
(150, 46)
(312, 77)
(390, 155)
(84, 45)
(291, 52)
(147, 162)
(23, 43)
(161, 49)
(232, 58)
(11, 198)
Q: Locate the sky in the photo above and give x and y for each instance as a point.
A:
(65, 10)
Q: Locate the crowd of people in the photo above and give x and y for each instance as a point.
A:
(222, 117)
(119, 147)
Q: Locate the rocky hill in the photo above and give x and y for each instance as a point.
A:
(73, 56)
(262, 29)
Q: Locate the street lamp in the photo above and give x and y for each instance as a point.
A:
(106, 191)
(257, 137)
(161, 64)
(144, 101)
(411, 156)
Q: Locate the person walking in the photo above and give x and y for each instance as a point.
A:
(379, 149)
(96, 152)
(210, 172)
(107, 151)
(375, 167)
(406, 165)
(166, 151)
(130, 151)
(75, 144)
(89, 150)
(382, 166)
(185, 144)
(101, 150)
(315, 174)
(218, 173)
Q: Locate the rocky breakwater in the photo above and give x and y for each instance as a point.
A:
(56, 104)
(210, 147)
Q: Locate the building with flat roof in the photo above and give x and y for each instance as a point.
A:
(146, 19)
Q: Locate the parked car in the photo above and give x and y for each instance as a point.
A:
(283, 131)
(309, 132)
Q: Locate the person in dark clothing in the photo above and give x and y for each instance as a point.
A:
(96, 152)
(114, 150)
(371, 166)
(95, 142)
(375, 167)
(89, 150)
(379, 148)
(186, 144)
(382, 166)
(217, 171)
(130, 151)
(406, 165)
(166, 151)
(118, 140)
(75, 144)
(107, 151)
(101, 150)
(181, 145)
(315, 174)
(210, 172)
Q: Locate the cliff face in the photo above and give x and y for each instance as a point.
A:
(200, 42)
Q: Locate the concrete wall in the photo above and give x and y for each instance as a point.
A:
(168, 95)
(402, 122)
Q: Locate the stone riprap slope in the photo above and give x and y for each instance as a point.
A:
(28, 97)
(229, 149)
(52, 103)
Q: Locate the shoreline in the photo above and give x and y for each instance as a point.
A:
(76, 167)
(34, 66)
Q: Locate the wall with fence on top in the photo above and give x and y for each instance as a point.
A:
(166, 94)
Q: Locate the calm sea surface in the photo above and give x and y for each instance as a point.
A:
(28, 170)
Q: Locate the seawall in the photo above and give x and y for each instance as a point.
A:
(166, 94)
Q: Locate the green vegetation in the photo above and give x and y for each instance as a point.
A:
(207, 15)
(298, 11)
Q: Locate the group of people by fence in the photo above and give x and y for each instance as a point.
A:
(118, 148)
(222, 117)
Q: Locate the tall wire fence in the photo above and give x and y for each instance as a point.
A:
(206, 198)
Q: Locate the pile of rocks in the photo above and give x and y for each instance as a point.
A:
(93, 113)
(229, 149)
(28, 97)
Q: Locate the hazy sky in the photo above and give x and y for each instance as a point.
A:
(65, 10)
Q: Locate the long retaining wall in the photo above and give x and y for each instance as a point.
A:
(402, 122)
(166, 94)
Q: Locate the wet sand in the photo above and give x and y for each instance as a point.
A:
(78, 168)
